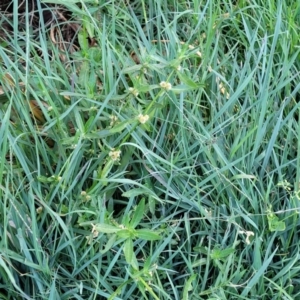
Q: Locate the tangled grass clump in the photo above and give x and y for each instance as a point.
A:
(149, 150)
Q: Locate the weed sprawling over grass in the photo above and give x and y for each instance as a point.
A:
(153, 155)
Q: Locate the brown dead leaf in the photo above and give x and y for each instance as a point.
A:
(37, 111)
(8, 80)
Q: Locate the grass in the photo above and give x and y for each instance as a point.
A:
(160, 162)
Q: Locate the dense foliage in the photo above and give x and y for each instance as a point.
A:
(150, 150)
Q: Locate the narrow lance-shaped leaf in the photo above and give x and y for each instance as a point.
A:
(134, 192)
(219, 254)
(128, 250)
(105, 171)
(109, 244)
(126, 220)
(120, 126)
(148, 235)
(134, 262)
(138, 214)
(125, 234)
(188, 81)
(152, 204)
(83, 40)
(107, 132)
(106, 228)
(188, 287)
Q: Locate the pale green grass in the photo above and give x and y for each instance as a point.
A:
(203, 202)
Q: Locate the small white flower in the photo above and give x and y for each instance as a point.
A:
(208, 212)
(143, 118)
(115, 154)
(166, 85)
(248, 235)
(113, 120)
(223, 90)
(39, 210)
(133, 91)
(57, 178)
(95, 233)
(163, 84)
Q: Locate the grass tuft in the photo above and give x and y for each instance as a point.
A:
(150, 150)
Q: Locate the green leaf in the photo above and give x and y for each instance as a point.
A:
(126, 221)
(95, 54)
(144, 88)
(138, 214)
(83, 40)
(273, 221)
(125, 234)
(258, 275)
(142, 288)
(105, 171)
(119, 127)
(134, 262)
(84, 73)
(134, 192)
(152, 204)
(147, 264)
(148, 235)
(70, 4)
(45, 179)
(201, 250)
(186, 80)
(128, 250)
(87, 125)
(89, 26)
(188, 287)
(116, 129)
(106, 228)
(275, 224)
(11, 277)
(99, 134)
(109, 244)
(219, 254)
